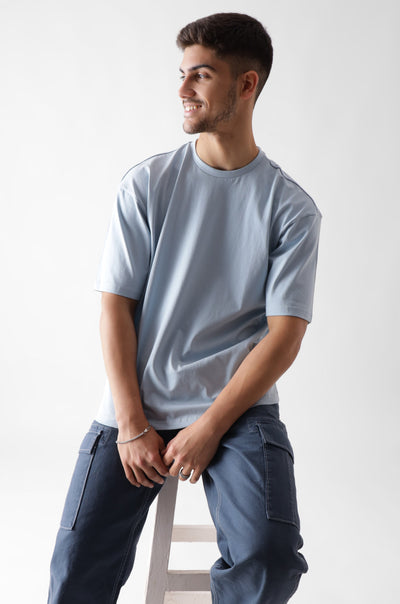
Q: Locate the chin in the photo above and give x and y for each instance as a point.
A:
(196, 127)
(191, 129)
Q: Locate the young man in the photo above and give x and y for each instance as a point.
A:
(207, 278)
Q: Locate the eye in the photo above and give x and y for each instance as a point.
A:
(196, 76)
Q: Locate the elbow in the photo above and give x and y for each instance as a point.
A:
(291, 344)
(288, 333)
(294, 348)
(295, 340)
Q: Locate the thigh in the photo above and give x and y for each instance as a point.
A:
(101, 523)
(250, 485)
(99, 494)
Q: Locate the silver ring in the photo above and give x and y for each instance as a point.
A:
(184, 476)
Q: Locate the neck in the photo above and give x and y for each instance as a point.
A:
(226, 151)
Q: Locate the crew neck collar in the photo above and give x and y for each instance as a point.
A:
(225, 173)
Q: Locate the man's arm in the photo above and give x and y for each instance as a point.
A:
(141, 458)
(195, 446)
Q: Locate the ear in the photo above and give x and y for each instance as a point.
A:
(249, 81)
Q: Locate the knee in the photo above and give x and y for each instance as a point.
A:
(277, 550)
(264, 565)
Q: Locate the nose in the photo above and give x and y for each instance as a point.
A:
(185, 91)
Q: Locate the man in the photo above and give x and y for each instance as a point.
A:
(207, 278)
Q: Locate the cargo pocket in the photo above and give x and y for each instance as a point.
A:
(79, 479)
(280, 487)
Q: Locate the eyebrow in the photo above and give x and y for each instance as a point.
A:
(199, 67)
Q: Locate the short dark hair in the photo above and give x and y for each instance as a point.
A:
(240, 40)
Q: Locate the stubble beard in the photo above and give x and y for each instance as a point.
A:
(210, 124)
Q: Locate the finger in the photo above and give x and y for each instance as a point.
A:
(154, 462)
(173, 464)
(160, 466)
(153, 475)
(195, 476)
(174, 468)
(167, 457)
(142, 479)
(184, 474)
(131, 476)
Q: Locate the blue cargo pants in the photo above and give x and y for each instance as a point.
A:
(251, 494)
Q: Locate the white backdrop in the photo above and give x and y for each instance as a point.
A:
(89, 88)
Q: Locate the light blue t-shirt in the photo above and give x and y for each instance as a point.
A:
(209, 254)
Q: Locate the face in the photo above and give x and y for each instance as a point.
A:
(208, 91)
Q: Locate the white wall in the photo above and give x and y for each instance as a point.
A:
(89, 89)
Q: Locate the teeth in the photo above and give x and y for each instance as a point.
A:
(191, 107)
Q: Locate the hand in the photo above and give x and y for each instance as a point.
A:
(141, 459)
(192, 449)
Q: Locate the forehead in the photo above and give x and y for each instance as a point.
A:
(196, 55)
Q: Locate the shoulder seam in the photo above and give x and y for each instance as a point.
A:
(290, 179)
(152, 157)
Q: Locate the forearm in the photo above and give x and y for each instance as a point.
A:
(194, 446)
(119, 345)
(260, 369)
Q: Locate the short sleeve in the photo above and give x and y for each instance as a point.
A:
(125, 260)
(292, 268)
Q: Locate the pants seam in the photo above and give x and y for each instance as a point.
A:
(114, 592)
(215, 598)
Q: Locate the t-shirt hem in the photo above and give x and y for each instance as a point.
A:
(294, 311)
(172, 423)
(105, 420)
(185, 421)
(120, 291)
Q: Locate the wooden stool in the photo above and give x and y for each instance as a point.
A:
(162, 581)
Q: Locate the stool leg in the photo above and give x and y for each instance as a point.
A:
(157, 580)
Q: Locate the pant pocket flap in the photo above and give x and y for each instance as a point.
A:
(89, 442)
(275, 434)
(79, 479)
(280, 492)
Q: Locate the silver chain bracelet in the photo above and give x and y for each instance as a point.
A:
(123, 442)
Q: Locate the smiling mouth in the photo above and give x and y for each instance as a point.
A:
(189, 109)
